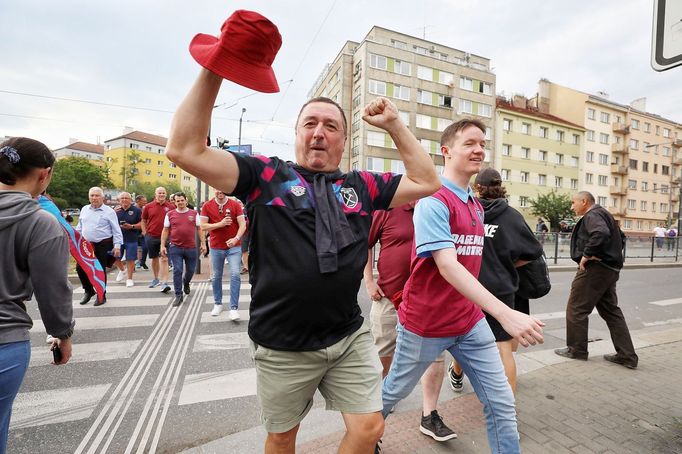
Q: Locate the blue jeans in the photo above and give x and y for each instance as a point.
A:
(234, 260)
(177, 256)
(477, 353)
(14, 358)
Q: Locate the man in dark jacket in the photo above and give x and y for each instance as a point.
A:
(597, 247)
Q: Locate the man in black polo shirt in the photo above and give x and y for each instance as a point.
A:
(309, 229)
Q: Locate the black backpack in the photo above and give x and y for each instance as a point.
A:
(534, 279)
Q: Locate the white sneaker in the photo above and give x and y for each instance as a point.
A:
(49, 339)
(234, 315)
(130, 283)
(217, 309)
(120, 276)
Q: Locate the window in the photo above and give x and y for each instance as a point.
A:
(560, 136)
(603, 180)
(172, 176)
(666, 151)
(404, 116)
(559, 159)
(507, 125)
(558, 182)
(443, 123)
(634, 124)
(589, 156)
(375, 164)
(542, 155)
(632, 204)
(645, 186)
(575, 140)
(399, 44)
(542, 180)
(485, 88)
(421, 50)
(401, 92)
(377, 87)
(424, 73)
(634, 144)
(485, 110)
(506, 150)
(523, 201)
(601, 200)
(589, 178)
(664, 208)
(148, 148)
(603, 159)
(445, 77)
(627, 224)
(658, 130)
(505, 174)
(574, 183)
(430, 146)
(666, 132)
(524, 177)
(148, 161)
(376, 139)
(590, 135)
(604, 117)
(466, 106)
(642, 205)
(655, 169)
(466, 84)
(148, 173)
(423, 121)
(665, 170)
(632, 184)
(640, 224)
(633, 164)
(397, 166)
(160, 174)
(645, 166)
(591, 113)
(544, 132)
(159, 163)
(444, 101)
(525, 153)
(525, 128)
(603, 138)
(647, 128)
(424, 97)
(653, 207)
(402, 67)
(488, 133)
(377, 61)
(134, 146)
(574, 161)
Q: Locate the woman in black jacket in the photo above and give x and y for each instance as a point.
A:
(509, 243)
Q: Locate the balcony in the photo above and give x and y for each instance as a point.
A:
(677, 143)
(619, 148)
(676, 180)
(621, 128)
(619, 170)
(677, 161)
(617, 190)
(674, 198)
(617, 211)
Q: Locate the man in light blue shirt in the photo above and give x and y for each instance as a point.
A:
(98, 224)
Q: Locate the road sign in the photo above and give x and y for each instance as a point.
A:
(666, 46)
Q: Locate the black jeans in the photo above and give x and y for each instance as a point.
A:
(596, 286)
(101, 249)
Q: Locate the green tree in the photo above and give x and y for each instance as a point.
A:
(553, 207)
(129, 170)
(72, 178)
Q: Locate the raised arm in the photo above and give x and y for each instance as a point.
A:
(187, 142)
(420, 179)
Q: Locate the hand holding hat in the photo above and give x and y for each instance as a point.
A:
(243, 53)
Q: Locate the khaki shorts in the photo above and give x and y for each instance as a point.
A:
(348, 375)
(383, 319)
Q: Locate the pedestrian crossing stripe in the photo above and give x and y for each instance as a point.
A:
(93, 351)
(212, 386)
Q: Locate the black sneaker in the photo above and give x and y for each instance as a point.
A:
(185, 288)
(618, 360)
(456, 381)
(434, 427)
(177, 301)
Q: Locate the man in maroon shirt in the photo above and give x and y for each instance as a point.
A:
(181, 225)
(395, 232)
(153, 215)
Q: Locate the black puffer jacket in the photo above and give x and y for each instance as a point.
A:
(507, 239)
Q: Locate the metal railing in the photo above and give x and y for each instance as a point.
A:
(557, 247)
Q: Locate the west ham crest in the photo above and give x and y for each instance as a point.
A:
(350, 197)
(298, 191)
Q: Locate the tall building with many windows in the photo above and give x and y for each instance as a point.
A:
(536, 153)
(77, 149)
(632, 158)
(432, 85)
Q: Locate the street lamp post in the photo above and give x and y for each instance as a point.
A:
(239, 140)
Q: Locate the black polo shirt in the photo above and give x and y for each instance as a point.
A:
(293, 306)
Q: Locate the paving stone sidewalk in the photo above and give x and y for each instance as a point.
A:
(570, 407)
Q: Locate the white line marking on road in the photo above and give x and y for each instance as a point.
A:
(554, 315)
(218, 386)
(664, 322)
(108, 322)
(669, 302)
(225, 341)
(127, 302)
(93, 351)
(38, 408)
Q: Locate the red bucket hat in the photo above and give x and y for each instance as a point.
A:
(244, 52)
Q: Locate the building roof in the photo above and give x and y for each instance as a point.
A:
(142, 137)
(84, 146)
(502, 103)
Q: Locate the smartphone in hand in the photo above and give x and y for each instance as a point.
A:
(56, 354)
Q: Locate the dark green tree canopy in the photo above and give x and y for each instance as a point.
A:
(72, 178)
(552, 207)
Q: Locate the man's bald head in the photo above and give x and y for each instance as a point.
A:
(582, 202)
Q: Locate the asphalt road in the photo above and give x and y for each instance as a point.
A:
(146, 377)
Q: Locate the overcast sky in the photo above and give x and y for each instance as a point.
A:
(135, 53)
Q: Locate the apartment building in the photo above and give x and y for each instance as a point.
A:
(537, 153)
(142, 156)
(77, 149)
(631, 158)
(432, 85)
